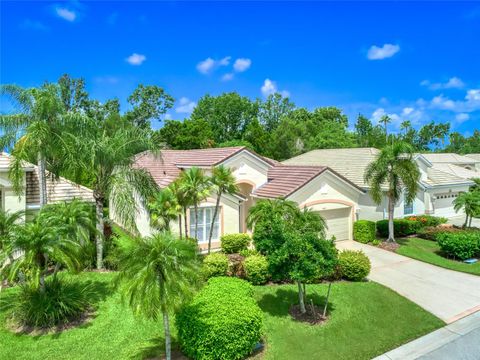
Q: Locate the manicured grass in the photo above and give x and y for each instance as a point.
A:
(429, 251)
(366, 319)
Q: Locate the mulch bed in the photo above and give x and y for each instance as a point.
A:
(389, 246)
(312, 316)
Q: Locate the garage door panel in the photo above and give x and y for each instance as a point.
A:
(338, 223)
(444, 205)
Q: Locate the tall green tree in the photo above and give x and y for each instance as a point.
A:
(107, 151)
(157, 275)
(385, 120)
(196, 188)
(164, 209)
(273, 110)
(405, 126)
(393, 171)
(469, 202)
(223, 182)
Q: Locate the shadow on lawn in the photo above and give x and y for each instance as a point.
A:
(156, 350)
(279, 303)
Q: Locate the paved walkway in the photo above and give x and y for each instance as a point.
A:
(450, 295)
(459, 340)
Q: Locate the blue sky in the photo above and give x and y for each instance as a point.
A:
(414, 61)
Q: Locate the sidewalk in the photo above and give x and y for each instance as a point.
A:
(459, 340)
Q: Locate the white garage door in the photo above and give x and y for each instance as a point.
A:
(338, 223)
(444, 205)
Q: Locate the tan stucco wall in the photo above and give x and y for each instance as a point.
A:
(248, 168)
(10, 200)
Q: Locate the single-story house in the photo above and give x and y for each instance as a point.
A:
(319, 188)
(59, 189)
(443, 177)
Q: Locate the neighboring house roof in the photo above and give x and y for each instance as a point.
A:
(474, 156)
(167, 164)
(59, 189)
(456, 170)
(350, 163)
(448, 158)
(437, 177)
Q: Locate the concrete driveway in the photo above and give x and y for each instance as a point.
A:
(450, 295)
(460, 220)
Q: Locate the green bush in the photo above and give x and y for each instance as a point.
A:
(234, 243)
(431, 232)
(401, 227)
(222, 322)
(364, 231)
(61, 302)
(427, 220)
(256, 269)
(249, 252)
(354, 265)
(461, 245)
(215, 264)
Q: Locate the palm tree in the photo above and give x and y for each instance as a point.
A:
(183, 203)
(405, 125)
(157, 275)
(107, 150)
(223, 182)
(41, 243)
(9, 224)
(163, 209)
(395, 169)
(196, 187)
(385, 119)
(273, 209)
(31, 132)
(470, 203)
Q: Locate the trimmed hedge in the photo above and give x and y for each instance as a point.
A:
(354, 265)
(222, 322)
(215, 264)
(256, 269)
(401, 227)
(432, 233)
(234, 243)
(461, 245)
(427, 220)
(364, 231)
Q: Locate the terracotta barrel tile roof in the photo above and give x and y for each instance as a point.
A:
(283, 180)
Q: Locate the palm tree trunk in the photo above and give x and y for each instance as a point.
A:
(100, 229)
(470, 222)
(42, 179)
(180, 225)
(466, 220)
(300, 298)
(391, 232)
(168, 341)
(185, 222)
(196, 221)
(217, 205)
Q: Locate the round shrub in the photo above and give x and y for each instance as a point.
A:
(401, 227)
(222, 322)
(234, 243)
(256, 269)
(460, 245)
(61, 302)
(364, 231)
(354, 265)
(249, 252)
(215, 264)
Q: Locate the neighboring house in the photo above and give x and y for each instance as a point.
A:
(442, 179)
(315, 187)
(474, 156)
(59, 189)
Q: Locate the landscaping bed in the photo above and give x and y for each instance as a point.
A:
(365, 319)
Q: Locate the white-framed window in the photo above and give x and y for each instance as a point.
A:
(205, 215)
(407, 207)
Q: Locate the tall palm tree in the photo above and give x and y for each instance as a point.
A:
(163, 209)
(396, 170)
(157, 275)
(223, 182)
(33, 131)
(385, 119)
(470, 203)
(41, 243)
(196, 187)
(183, 203)
(405, 125)
(106, 150)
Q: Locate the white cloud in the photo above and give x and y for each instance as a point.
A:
(186, 106)
(228, 77)
(442, 102)
(208, 65)
(470, 103)
(452, 83)
(136, 59)
(242, 64)
(66, 14)
(384, 52)
(168, 117)
(269, 87)
(460, 118)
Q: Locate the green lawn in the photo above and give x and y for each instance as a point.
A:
(428, 251)
(367, 319)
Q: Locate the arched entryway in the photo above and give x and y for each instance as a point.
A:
(246, 189)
